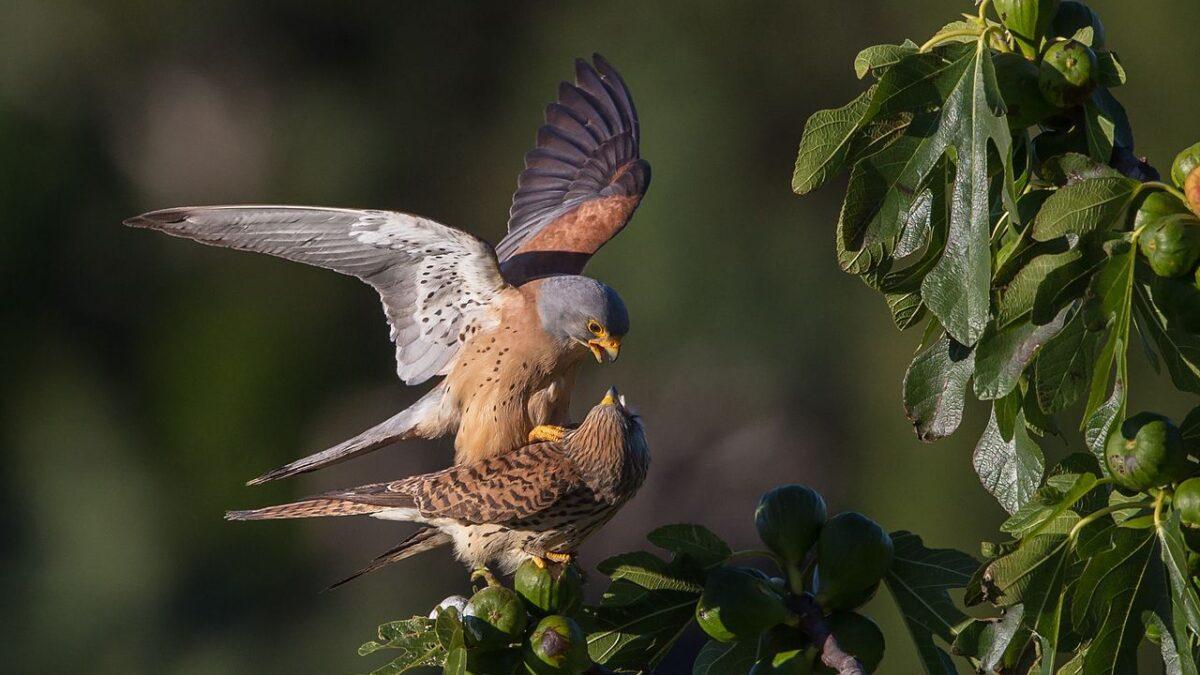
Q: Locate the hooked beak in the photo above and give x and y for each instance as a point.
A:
(612, 397)
(600, 347)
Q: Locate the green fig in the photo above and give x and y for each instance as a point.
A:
(739, 605)
(1027, 21)
(1017, 78)
(789, 520)
(1171, 244)
(551, 589)
(1187, 502)
(1146, 452)
(858, 636)
(1156, 205)
(494, 618)
(557, 645)
(853, 554)
(1073, 17)
(1185, 162)
(1068, 73)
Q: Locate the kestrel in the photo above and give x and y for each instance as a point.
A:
(509, 327)
(542, 500)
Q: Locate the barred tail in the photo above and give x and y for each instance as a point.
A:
(424, 539)
(308, 508)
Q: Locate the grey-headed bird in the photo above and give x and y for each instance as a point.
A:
(507, 327)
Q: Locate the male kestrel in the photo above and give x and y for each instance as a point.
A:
(542, 500)
(507, 327)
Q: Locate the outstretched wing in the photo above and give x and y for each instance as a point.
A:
(438, 284)
(581, 183)
(514, 485)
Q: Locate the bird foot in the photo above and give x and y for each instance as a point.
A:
(547, 433)
(560, 558)
(485, 575)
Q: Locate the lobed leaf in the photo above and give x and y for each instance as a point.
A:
(920, 580)
(876, 59)
(716, 658)
(1010, 470)
(695, 541)
(1090, 205)
(1118, 583)
(1003, 354)
(935, 388)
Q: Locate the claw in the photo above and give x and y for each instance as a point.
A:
(547, 433)
(560, 558)
(539, 562)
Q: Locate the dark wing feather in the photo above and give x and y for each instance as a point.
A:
(437, 283)
(582, 182)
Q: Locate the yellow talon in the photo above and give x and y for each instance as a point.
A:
(547, 433)
(560, 558)
(539, 562)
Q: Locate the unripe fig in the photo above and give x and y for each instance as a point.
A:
(1027, 20)
(789, 519)
(1171, 244)
(557, 645)
(856, 635)
(1156, 205)
(1074, 16)
(1185, 162)
(494, 618)
(853, 554)
(1017, 78)
(553, 589)
(1146, 452)
(1068, 73)
(1187, 502)
(738, 605)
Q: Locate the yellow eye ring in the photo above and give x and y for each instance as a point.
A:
(595, 327)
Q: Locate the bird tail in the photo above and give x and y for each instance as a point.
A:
(315, 507)
(424, 539)
(423, 419)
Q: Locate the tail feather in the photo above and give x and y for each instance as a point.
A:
(424, 539)
(307, 508)
(423, 419)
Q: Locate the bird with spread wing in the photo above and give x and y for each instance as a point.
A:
(506, 327)
(541, 500)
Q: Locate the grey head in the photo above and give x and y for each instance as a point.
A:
(583, 312)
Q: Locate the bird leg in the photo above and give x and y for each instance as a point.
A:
(560, 558)
(547, 433)
(483, 573)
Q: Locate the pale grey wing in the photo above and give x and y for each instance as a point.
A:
(438, 284)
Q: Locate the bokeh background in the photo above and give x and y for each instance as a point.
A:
(145, 378)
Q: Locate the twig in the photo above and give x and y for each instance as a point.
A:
(812, 623)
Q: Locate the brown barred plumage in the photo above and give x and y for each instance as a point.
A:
(541, 498)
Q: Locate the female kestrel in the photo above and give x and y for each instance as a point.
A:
(507, 327)
(542, 500)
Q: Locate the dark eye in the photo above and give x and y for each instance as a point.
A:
(595, 327)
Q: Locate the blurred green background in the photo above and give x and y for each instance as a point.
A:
(145, 378)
